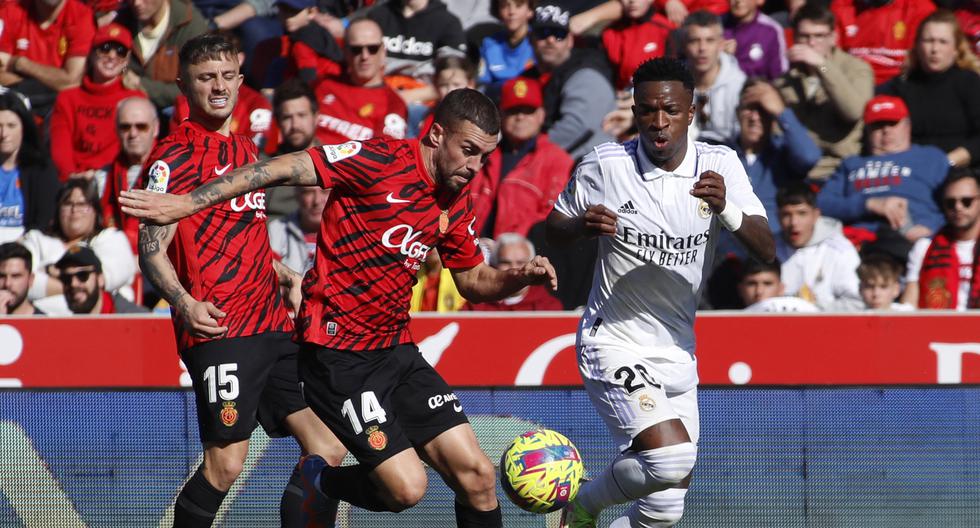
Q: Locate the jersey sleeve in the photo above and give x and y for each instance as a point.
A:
(738, 189)
(583, 190)
(343, 165)
(916, 256)
(460, 249)
(168, 170)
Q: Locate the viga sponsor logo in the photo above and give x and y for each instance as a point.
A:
(403, 238)
(408, 46)
(253, 200)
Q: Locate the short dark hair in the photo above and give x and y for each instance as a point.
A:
(91, 195)
(815, 13)
(754, 266)
(12, 250)
(796, 193)
(467, 104)
(495, 6)
(664, 69)
(701, 18)
(291, 89)
(455, 62)
(956, 174)
(209, 46)
(32, 151)
(879, 265)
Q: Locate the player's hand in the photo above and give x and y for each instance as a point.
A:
(292, 287)
(156, 208)
(6, 299)
(540, 271)
(710, 187)
(892, 208)
(599, 221)
(201, 319)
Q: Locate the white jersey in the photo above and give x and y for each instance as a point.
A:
(783, 304)
(648, 278)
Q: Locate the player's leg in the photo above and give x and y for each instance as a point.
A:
(228, 379)
(352, 393)
(282, 412)
(434, 421)
(658, 452)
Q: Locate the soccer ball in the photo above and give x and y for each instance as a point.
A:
(541, 471)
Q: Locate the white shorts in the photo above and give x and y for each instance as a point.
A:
(628, 391)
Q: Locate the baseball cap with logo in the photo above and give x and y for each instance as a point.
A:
(113, 33)
(520, 92)
(885, 108)
(550, 16)
(77, 256)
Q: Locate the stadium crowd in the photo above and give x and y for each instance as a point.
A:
(857, 121)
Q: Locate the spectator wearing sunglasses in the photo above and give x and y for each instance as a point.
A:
(43, 48)
(358, 105)
(81, 144)
(137, 128)
(80, 271)
(576, 88)
(78, 220)
(942, 271)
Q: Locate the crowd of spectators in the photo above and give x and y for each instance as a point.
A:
(857, 121)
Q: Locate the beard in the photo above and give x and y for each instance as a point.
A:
(85, 305)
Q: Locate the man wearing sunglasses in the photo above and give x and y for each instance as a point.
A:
(887, 196)
(942, 272)
(84, 286)
(577, 91)
(359, 106)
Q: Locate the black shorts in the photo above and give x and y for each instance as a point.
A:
(241, 381)
(378, 402)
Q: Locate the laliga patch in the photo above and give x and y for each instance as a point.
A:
(377, 439)
(229, 414)
(159, 177)
(336, 153)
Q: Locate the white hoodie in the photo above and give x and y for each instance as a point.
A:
(824, 271)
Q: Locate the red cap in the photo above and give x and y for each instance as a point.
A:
(520, 91)
(113, 33)
(885, 108)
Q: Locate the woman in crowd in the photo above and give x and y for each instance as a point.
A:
(78, 220)
(942, 90)
(27, 179)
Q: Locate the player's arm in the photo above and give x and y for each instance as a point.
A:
(199, 317)
(157, 208)
(292, 282)
(752, 230)
(483, 283)
(563, 231)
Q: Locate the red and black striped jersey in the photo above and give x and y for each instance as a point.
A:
(382, 219)
(222, 253)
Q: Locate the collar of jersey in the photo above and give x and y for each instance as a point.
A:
(650, 172)
(198, 128)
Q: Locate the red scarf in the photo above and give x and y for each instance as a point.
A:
(939, 279)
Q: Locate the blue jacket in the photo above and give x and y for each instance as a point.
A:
(915, 174)
(499, 62)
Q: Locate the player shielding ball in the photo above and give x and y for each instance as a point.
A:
(232, 324)
(391, 202)
(657, 204)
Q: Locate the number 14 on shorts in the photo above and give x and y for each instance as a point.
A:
(371, 411)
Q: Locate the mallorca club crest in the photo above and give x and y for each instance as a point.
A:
(937, 296)
(377, 439)
(229, 414)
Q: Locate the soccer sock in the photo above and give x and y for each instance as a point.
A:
(633, 475)
(197, 503)
(467, 517)
(352, 484)
(291, 505)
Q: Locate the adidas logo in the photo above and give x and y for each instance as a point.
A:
(627, 208)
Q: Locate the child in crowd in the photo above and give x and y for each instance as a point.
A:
(880, 286)
(452, 73)
(506, 54)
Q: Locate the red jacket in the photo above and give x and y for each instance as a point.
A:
(880, 35)
(348, 112)
(83, 132)
(527, 194)
(718, 7)
(537, 298)
(629, 43)
(252, 115)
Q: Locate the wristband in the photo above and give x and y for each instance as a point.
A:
(731, 216)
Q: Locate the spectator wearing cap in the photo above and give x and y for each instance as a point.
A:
(576, 89)
(43, 48)
(161, 27)
(359, 105)
(826, 87)
(718, 80)
(640, 35)
(888, 195)
(517, 186)
(512, 251)
(80, 271)
(16, 278)
(137, 127)
(760, 46)
(81, 143)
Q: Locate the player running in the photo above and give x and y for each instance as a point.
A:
(657, 204)
(392, 202)
(216, 270)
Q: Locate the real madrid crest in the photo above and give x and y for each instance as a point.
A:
(704, 210)
(377, 439)
(229, 414)
(647, 403)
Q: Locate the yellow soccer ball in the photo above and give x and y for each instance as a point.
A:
(541, 471)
